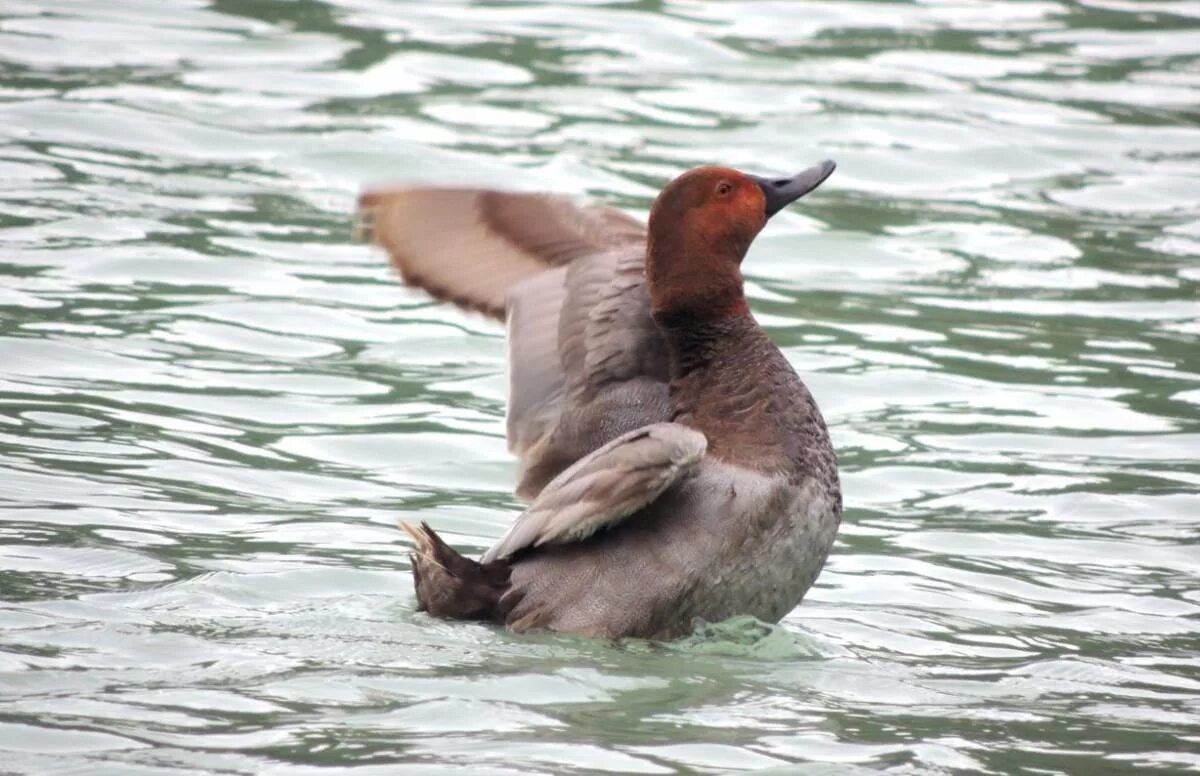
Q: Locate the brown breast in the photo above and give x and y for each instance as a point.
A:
(733, 384)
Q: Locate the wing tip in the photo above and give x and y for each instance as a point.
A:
(688, 444)
(370, 203)
(368, 208)
(364, 222)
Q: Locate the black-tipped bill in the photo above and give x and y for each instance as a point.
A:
(781, 192)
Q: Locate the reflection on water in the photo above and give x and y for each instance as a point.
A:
(213, 406)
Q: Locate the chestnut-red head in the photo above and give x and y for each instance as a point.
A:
(701, 226)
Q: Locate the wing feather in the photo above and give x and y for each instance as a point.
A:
(605, 487)
(506, 255)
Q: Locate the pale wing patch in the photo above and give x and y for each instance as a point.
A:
(471, 246)
(439, 242)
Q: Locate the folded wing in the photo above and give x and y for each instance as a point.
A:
(604, 487)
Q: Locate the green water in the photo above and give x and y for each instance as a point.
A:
(214, 406)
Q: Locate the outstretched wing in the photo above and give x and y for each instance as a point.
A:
(586, 361)
(472, 246)
(605, 487)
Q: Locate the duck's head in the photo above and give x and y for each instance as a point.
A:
(701, 226)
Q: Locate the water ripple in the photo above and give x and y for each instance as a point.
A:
(214, 406)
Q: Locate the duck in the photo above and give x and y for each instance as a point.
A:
(676, 469)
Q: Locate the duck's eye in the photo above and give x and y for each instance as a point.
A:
(723, 188)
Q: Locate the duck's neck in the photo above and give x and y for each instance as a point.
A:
(698, 343)
(693, 280)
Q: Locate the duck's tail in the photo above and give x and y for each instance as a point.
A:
(451, 586)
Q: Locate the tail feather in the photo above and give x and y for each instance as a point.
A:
(451, 586)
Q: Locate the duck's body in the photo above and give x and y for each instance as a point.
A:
(677, 466)
(728, 538)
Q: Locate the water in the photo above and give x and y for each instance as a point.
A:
(214, 407)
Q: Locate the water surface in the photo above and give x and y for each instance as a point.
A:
(214, 406)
